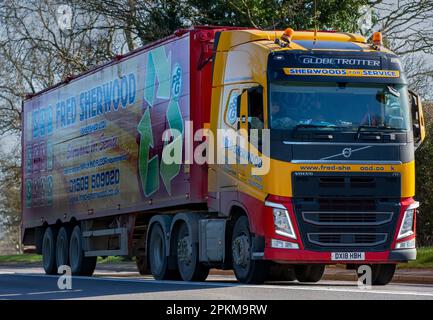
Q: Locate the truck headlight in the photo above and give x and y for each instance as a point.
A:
(409, 244)
(406, 228)
(283, 224)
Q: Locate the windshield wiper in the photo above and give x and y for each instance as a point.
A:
(374, 129)
(312, 125)
(315, 126)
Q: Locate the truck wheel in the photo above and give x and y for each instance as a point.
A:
(246, 270)
(49, 251)
(281, 272)
(158, 254)
(80, 264)
(62, 247)
(382, 274)
(190, 268)
(309, 273)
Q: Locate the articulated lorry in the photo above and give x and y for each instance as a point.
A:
(136, 158)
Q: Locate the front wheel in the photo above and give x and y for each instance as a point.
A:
(246, 269)
(281, 272)
(309, 273)
(381, 274)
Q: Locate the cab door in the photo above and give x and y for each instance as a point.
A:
(251, 124)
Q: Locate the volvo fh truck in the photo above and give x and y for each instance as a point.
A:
(137, 158)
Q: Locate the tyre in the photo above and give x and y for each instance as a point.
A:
(190, 268)
(382, 274)
(80, 264)
(62, 247)
(157, 252)
(309, 273)
(281, 272)
(49, 251)
(246, 269)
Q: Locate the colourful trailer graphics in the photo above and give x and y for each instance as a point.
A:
(96, 143)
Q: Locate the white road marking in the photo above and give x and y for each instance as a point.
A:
(10, 295)
(216, 284)
(50, 292)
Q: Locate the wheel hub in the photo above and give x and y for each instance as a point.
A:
(184, 250)
(241, 250)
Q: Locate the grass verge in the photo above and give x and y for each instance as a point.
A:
(424, 259)
(36, 258)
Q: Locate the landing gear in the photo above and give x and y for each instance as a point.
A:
(49, 251)
(80, 264)
(190, 268)
(246, 269)
(309, 273)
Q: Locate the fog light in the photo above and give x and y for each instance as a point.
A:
(280, 244)
(410, 244)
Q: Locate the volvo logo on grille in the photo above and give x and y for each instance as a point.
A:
(347, 152)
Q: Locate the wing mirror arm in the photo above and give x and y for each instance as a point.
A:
(418, 126)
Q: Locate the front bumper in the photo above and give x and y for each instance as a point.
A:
(294, 256)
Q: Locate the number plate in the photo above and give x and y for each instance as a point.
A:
(348, 256)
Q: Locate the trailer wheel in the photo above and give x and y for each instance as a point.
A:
(309, 273)
(382, 274)
(190, 268)
(246, 269)
(158, 254)
(80, 264)
(62, 247)
(49, 251)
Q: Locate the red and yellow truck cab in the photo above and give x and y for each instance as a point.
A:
(343, 130)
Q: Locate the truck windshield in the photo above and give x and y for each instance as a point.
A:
(339, 106)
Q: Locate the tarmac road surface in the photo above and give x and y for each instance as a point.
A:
(22, 283)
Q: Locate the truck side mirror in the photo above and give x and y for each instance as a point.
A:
(417, 118)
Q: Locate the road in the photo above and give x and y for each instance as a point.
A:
(29, 283)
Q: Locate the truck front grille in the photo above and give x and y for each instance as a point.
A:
(346, 211)
(325, 230)
(347, 239)
(327, 218)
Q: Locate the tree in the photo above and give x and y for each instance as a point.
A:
(407, 26)
(148, 20)
(35, 53)
(280, 14)
(424, 181)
